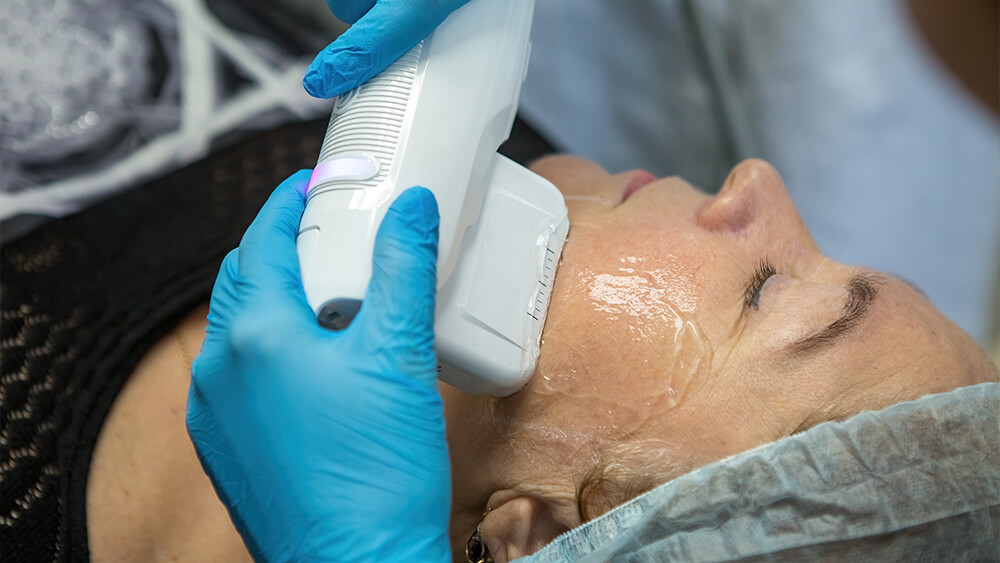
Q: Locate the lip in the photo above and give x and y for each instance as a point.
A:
(636, 180)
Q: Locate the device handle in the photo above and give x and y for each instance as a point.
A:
(434, 118)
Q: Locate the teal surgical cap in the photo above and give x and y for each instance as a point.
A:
(915, 481)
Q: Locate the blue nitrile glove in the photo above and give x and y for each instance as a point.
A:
(326, 446)
(381, 32)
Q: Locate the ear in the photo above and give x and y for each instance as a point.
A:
(521, 526)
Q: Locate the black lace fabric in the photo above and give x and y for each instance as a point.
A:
(83, 298)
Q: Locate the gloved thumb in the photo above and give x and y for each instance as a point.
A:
(383, 34)
(400, 297)
(350, 11)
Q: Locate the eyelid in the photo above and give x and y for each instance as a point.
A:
(751, 293)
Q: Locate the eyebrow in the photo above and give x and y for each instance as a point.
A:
(862, 289)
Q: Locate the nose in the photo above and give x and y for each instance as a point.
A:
(753, 203)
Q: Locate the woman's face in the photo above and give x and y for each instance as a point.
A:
(715, 323)
(688, 328)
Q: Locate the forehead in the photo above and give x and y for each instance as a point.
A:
(908, 326)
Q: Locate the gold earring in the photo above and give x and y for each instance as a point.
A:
(476, 550)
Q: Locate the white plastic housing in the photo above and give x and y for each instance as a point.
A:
(435, 118)
(491, 311)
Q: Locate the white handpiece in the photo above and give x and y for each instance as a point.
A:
(435, 118)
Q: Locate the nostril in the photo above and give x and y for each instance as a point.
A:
(730, 181)
(728, 212)
(745, 195)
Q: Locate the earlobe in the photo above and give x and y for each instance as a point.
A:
(520, 526)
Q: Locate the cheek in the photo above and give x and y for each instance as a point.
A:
(640, 270)
(622, 344)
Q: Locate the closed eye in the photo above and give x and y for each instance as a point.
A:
(751, 294)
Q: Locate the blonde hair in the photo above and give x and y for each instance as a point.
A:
(626, 472)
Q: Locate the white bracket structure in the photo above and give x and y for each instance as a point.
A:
(203, 117)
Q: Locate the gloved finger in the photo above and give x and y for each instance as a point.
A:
(212, 442)
(223, 308)
(208, 371)
(350, 11)
(225, 293)
(374, 42)
(268, 261)
(400, 296)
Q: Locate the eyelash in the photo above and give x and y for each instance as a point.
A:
(751, 296)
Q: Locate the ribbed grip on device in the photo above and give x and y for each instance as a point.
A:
(368, 121)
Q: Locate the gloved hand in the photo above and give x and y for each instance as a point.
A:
(326, 445)
(381, 32)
